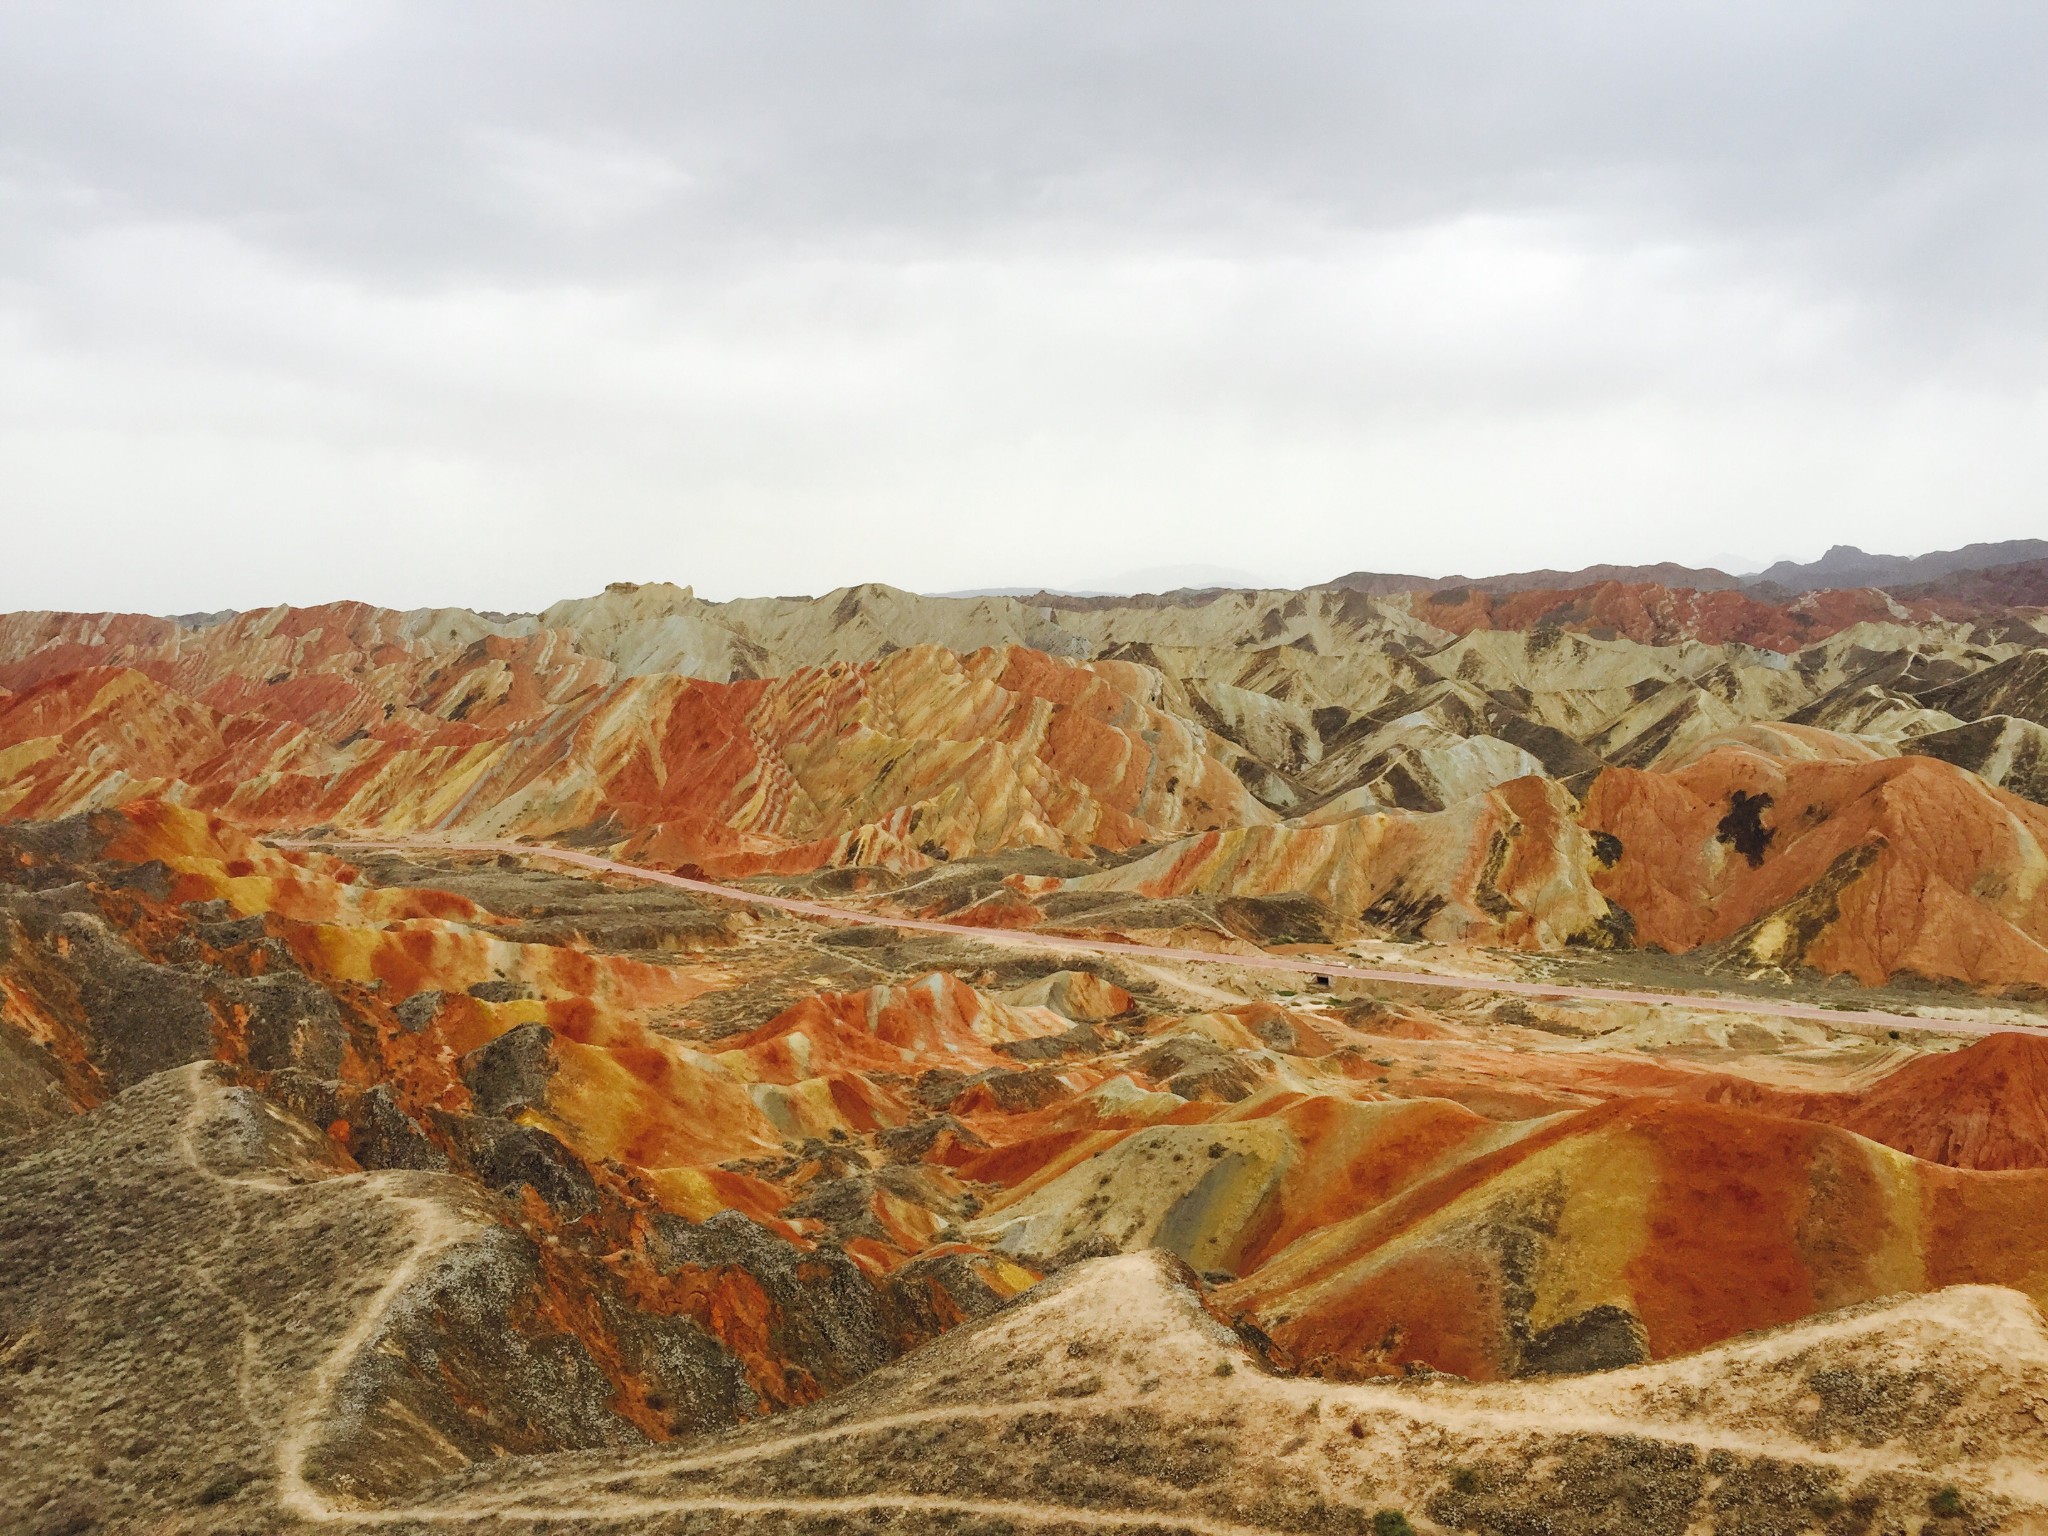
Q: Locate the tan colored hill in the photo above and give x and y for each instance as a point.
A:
(1114, 1402)
(1510, 866)
(2008, 752)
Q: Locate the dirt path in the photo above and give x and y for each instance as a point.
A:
(1397, 1415)
(1392, 1421)
(1293, 965)
(434, 1229)
(610, 1507)
(597, 1496)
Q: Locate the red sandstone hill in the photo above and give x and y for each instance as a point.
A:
(1984, 1107)
(923, 754)
(1901, 865)
(2020, 585)
(1643, 1228)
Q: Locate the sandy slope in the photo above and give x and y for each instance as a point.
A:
(1109, 1400)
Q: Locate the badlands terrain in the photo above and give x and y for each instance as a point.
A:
(1555, 1053)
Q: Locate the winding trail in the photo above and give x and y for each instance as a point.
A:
(604, 1496)
(434, 1230)
(587, 1494)
(1293, 965)
(606, 1508)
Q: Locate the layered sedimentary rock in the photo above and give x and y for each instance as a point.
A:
(1217, 718)
(1510, 867)
(2016, 686)
(2008, 752)
(1872, 868)
(591, 1193)
(1657, 615)
(416, 1030)
(441, 1161)
(924, 753)
(1602, 1238)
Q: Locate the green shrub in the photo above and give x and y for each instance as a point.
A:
(1949, 1501)
(1391, 1522)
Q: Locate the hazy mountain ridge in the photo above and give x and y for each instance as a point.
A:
(1843, 566)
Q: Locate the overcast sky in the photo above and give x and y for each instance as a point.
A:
(491, 304)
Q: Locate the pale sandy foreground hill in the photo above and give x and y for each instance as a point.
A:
(236, 1336)
(1108, 1400)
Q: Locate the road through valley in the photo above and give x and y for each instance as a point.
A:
(1309, 966)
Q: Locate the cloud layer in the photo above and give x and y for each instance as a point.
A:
(490, 304)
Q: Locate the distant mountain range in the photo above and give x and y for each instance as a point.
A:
(1844, 566)
(1667, 574)
(1847, 566)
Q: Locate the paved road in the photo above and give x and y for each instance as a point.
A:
(1296, 965)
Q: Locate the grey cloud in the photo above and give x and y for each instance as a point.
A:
(383, 128)
(1404, 277)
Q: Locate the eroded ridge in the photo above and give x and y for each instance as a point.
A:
(1108, 1398)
